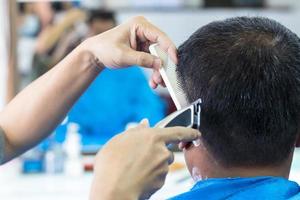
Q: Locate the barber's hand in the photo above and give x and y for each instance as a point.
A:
(128, 43)
(134, 164)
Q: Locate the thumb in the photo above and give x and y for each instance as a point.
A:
(142, 59)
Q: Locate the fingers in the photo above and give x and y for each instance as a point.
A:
(142, 59)
(178, 134)
(186, 145)
(145, 31)
(156, 80)
(154, 35)
(152, 84)
(157, 77)
(182, 145)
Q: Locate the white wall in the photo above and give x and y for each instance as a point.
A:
(293, 3)
(179, 25)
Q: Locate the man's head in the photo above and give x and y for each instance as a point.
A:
(247, 73)
(100, 21)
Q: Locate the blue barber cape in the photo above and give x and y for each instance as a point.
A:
(258, 188)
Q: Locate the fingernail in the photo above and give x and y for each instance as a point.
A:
(145, 121)
(180, 146)
(197, 142)
(157, 63)
(152, 84)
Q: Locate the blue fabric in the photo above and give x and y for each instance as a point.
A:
(114, 99)
(258, 188)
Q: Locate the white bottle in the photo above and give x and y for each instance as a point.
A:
(72, 146)
(55, 159)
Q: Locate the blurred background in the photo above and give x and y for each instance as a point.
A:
(41, 33)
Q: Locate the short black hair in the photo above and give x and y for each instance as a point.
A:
(247, 72)
(101, 14)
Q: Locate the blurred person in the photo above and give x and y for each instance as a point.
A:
(246, 70)
(41, 25)
(49, 38)
(98, 21)
(44, 12)
(36, 111)
(34, 17)
(51, 34)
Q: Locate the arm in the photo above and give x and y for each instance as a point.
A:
(133, 165)
(36, 111)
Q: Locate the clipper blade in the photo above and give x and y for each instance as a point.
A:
(169, 76)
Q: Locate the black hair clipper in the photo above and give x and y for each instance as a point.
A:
(187, 117)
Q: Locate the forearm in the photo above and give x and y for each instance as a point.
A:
(38, 109)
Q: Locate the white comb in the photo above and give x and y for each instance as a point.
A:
(168, 74)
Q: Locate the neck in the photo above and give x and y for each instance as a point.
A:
(279, 171)
(205, 166)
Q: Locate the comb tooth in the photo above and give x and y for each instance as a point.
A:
(168, 73)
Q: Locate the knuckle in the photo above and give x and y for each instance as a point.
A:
(139, 18)
(157, 134)
(141, 59)
(155, 138)
(179, 133)
(179, 137)
(151, 137)
(163, 34)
